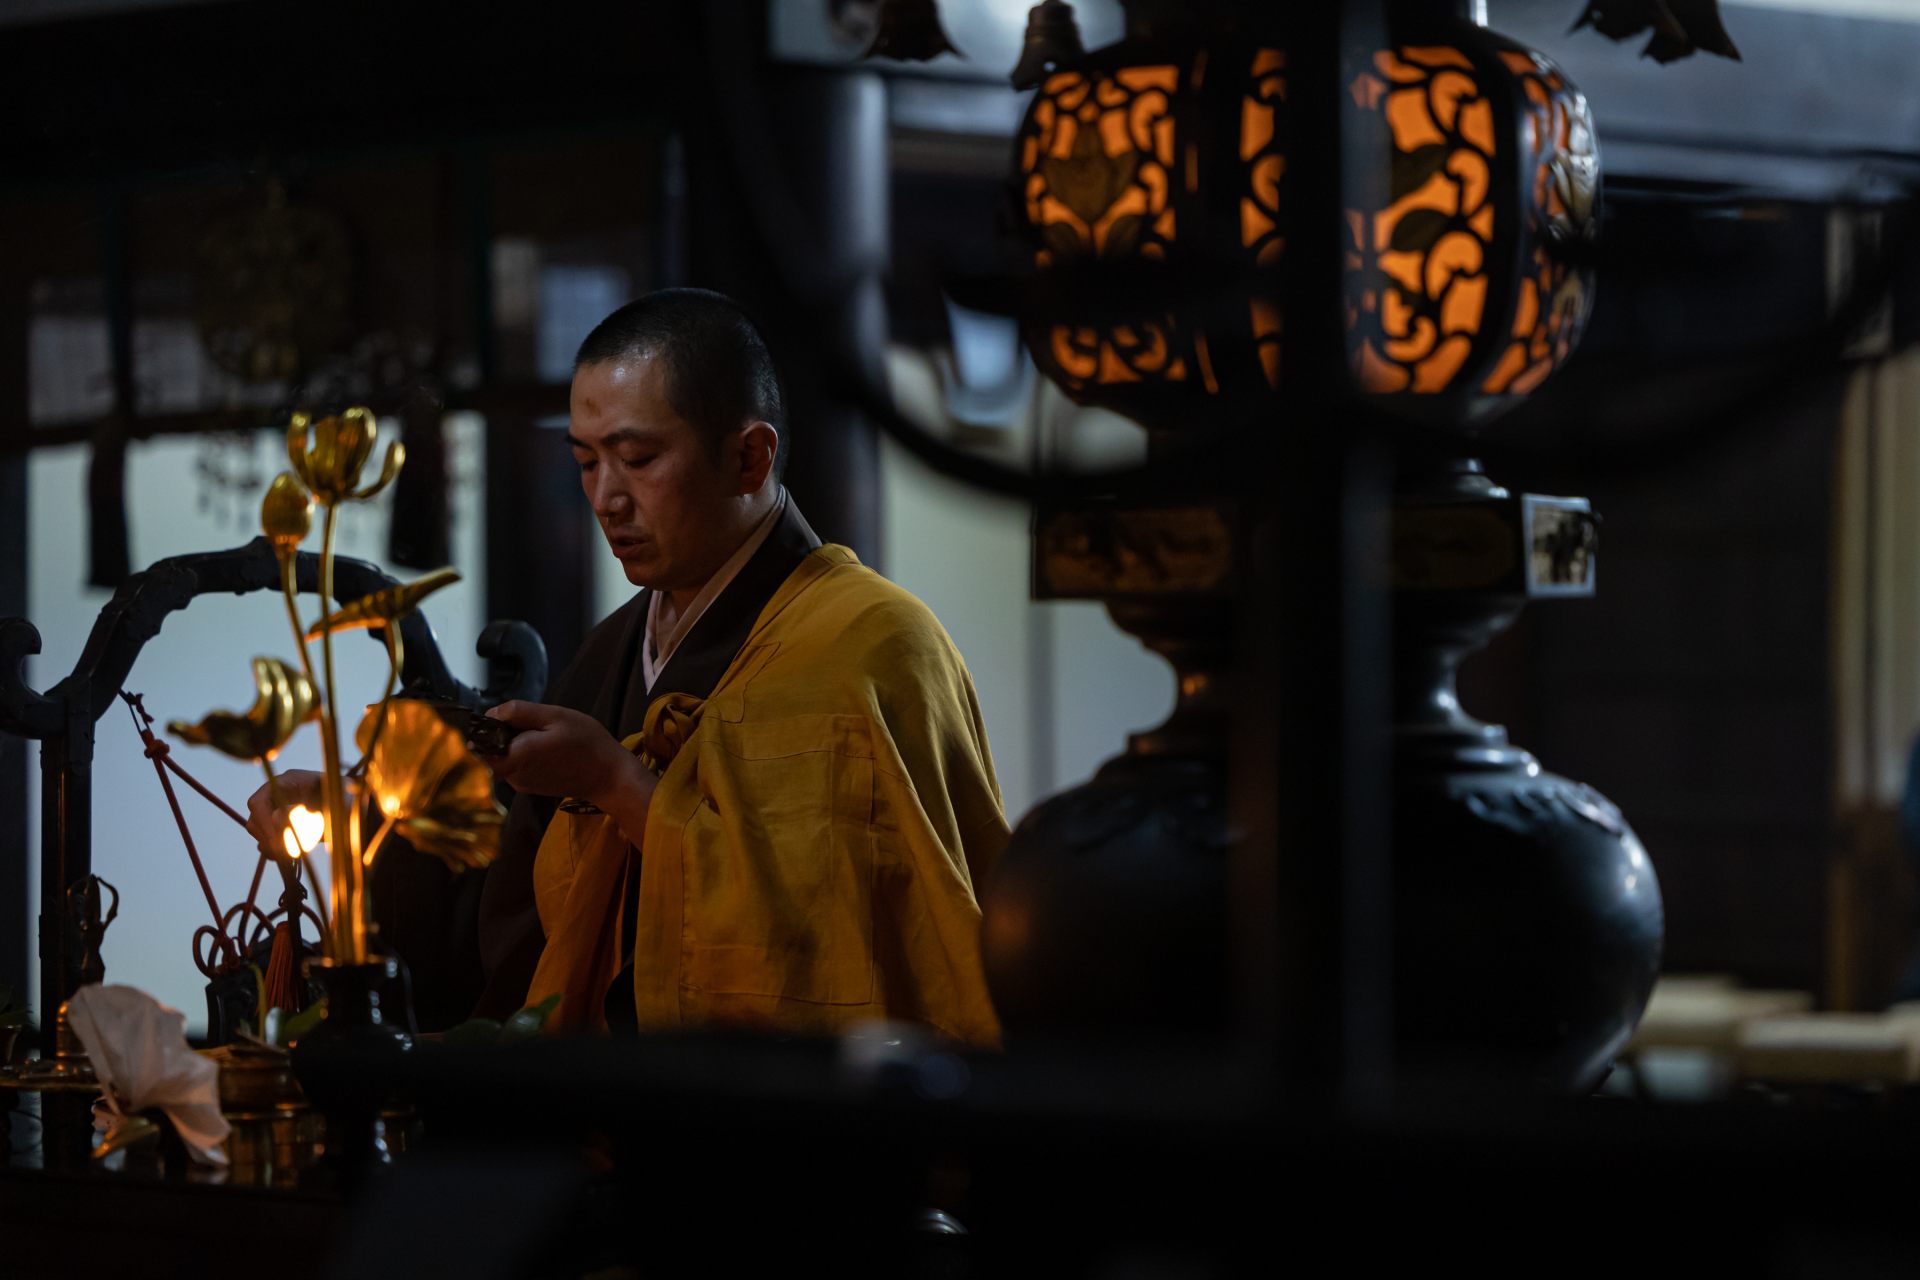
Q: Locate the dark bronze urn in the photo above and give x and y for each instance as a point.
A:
(1527, 916)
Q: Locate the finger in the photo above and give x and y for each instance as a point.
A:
(266, 828)
(260, 818)
(520, 752)
(269, 827)
(524, 715)
(503, 770)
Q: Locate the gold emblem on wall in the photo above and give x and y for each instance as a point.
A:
(273, 288)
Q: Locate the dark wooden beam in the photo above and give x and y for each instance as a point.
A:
(525, 400)
(232, 85)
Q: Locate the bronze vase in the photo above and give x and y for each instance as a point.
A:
(346, 1064)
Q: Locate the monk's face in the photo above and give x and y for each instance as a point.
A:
(672, 504)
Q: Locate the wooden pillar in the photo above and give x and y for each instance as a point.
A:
(15, 917)
(789, 215)
(1310, 871)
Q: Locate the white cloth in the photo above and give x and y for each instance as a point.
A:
(665, 631)
(139, 1051)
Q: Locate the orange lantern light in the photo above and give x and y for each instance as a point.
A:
(1472, 169)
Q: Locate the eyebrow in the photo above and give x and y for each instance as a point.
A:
(625, 435)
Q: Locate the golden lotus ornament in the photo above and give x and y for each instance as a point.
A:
(284, 699)
(379, 608)
(420, 778)
(286, 514)
(428, 786)
(328, 455)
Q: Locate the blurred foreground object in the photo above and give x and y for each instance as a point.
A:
(1704, 1036)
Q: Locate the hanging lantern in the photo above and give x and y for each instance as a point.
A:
(1471, 174)
(1152, 180)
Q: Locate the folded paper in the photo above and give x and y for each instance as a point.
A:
(140, 1054)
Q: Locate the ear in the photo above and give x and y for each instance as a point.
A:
(759, 444)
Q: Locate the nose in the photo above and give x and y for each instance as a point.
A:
(610, 502)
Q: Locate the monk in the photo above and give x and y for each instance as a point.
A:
(761, 795)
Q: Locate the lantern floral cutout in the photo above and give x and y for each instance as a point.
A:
(1417, 267)
(1098, 155)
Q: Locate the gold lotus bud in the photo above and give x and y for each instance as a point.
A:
(438, 794)
(389, 604)
(284, 699)
(328, 455)
(286, 513)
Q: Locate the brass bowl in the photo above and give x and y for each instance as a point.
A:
(256, 1080)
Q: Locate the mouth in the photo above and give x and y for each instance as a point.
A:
(626, 544)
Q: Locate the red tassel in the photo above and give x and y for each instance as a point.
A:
(282, 988)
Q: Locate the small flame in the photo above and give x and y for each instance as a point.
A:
(304, 828)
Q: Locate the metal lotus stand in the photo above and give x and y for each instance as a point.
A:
(62, 718)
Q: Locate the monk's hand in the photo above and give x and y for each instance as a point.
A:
(267, 808)
(562, 752)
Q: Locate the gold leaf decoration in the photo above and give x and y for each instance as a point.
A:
(328, 455)
(438, 794)
(284, 699)
(389, 604)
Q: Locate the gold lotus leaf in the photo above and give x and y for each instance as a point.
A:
(438, 794)
(377, 608)
(286, 513)
(284, 699)
(328, 455)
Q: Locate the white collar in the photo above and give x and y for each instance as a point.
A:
(663, 635)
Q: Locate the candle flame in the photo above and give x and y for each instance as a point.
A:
(304, 828)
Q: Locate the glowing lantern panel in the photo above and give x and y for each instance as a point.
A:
(1471, 160)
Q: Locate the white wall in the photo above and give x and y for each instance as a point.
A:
(1060, 686)
(199, 662)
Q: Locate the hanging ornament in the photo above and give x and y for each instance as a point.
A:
(1680, 27)
(272, 288)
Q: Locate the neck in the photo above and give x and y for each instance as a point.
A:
(753, 512)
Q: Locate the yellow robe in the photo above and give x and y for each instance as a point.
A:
(817, 839)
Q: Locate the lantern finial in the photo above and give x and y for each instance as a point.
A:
(1053, 39)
